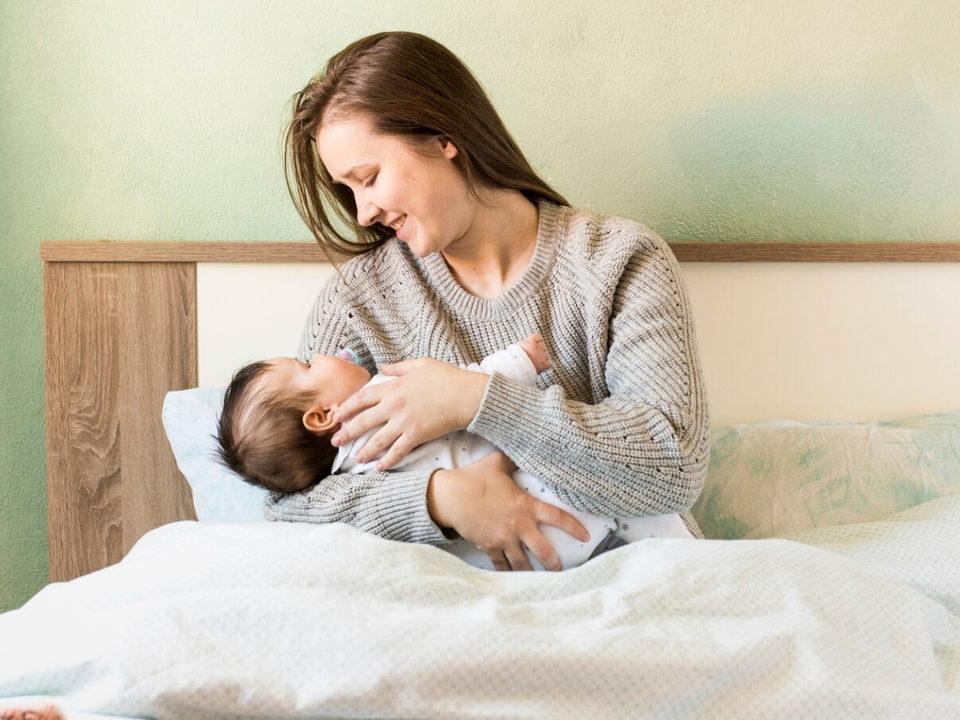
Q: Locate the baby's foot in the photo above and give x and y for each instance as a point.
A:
(536, 350)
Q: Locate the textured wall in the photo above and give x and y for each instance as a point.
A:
(735, 119)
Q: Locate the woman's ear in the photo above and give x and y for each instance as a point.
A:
(319, 420)
(448, 149)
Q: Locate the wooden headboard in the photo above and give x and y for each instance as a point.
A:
(121, 330)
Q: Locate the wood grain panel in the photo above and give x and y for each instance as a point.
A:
(117, 337)
(817, 252)
(83, 460)
(131, 251)
(158, 337)
(109, 251)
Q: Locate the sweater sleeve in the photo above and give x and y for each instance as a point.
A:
(644, 449)
(392, 505)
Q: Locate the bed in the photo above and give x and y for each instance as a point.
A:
(830, 585)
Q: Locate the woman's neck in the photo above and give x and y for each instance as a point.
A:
(501, 241)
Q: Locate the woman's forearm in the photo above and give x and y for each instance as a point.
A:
(391, 505)
(619, 457)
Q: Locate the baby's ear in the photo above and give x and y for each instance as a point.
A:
(319, 420)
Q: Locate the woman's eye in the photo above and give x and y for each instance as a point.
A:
(373, 178)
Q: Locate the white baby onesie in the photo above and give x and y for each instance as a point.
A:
(462, 448)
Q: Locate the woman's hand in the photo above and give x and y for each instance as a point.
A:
(484, 505)
(430, 399)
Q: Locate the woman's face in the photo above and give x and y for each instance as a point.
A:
(423, 198)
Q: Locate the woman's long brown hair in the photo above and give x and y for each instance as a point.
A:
(411, 86)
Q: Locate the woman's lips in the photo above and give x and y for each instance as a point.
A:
(399, 225)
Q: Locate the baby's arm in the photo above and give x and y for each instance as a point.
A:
(521, 362)
(536, 350)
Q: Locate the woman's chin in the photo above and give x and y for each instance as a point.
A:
(421, 250)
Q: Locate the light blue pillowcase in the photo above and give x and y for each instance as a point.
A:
(219, 494)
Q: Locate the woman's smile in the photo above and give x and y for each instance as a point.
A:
(398, 224)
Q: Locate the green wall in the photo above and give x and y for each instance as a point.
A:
(726, 120)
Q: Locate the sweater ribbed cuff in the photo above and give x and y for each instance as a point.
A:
(500, 418)
(402, 510)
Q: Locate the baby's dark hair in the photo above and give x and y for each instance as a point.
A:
(262, 437)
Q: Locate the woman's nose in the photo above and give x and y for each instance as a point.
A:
(367, 213)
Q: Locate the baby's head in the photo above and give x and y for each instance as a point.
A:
(277, 419)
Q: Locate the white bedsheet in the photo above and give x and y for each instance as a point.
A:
(290, 620)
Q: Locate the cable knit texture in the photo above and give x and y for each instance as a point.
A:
(617, 426)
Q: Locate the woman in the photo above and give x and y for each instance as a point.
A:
(461, 247)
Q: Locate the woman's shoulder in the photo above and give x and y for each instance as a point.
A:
(377, 270)
(591, 237)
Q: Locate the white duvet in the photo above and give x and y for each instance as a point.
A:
(290, 620)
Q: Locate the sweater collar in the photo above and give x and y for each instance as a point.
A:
(464, 304)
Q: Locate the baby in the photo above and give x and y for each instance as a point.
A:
(277, 421)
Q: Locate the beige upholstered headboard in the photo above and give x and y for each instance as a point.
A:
(798, 331)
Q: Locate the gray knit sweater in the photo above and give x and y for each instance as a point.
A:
(618, 425)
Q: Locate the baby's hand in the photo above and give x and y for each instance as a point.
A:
(536, 350)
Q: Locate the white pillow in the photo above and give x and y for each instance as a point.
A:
(219, 494)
